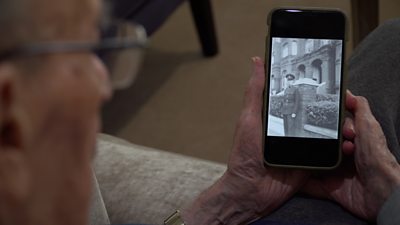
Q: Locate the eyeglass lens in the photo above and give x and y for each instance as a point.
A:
(123, 64)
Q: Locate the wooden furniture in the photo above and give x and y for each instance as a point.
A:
(203, 18)
(365, 15)
(153, 13)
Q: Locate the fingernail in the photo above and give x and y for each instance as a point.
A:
(351, 125)
(256, 59)
(349, 92)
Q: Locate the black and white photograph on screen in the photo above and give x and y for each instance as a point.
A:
(304, 88)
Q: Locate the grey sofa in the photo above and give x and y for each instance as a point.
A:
(141, 185)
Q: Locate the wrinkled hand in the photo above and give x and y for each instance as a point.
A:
(260, 188)
(368, 174)
(247, 190)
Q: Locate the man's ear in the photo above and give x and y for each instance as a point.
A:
(13, 155)
(10, 135)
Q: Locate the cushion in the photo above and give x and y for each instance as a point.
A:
(144, 185)
(98, 213)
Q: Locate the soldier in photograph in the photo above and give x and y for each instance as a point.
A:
(290, 106)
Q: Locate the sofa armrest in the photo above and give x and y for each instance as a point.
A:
(144, 185)
(98, 214)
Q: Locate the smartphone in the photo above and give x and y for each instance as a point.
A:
(304, 91)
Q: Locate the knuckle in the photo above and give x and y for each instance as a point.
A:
(248, 86)
(248, 92)
(246, 118)
(362, 99)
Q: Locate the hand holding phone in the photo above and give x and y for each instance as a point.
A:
(247, 186)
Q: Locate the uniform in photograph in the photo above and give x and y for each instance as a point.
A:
(290, 107)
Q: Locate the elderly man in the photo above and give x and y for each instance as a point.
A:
(52, 85)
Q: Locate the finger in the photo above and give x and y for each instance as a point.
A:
(349, 134)
(362, 108)
(348, 147)
(363, 117)
(351, 101)
(348, 129)
(253, 101)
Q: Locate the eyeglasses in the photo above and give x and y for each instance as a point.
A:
(120, 48)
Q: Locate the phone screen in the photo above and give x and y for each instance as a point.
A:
(304, 89)
(304, 92)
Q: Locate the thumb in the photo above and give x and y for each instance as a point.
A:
(253, 101)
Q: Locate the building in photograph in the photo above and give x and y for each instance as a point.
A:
(315, 59)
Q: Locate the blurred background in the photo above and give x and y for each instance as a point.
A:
(186, 103)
